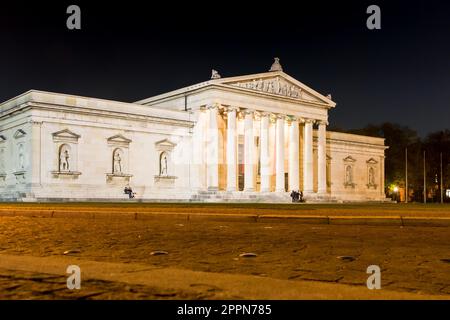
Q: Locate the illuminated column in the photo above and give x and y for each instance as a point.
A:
(322, 158)
(231, 149)
(293, 156)
(279, 183)
(265, 156)
(212, 150)
(198, 152)
(382, 176)
(308, 156)
(249, 183)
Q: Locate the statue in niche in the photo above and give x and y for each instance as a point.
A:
(348, 175)
(64, 156)
(2, 160)
(371, 176)
(117, 167)
(21, 157)
(163, 164)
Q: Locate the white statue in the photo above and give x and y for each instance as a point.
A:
(259, 86)
(348, 175)
(21, 158)
(163, 165)
(371, 177)
(64, 157)
(215, 74)
(276, 66)
(117, 162)
(2, 160)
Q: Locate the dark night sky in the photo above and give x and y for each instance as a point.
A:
(127, 51)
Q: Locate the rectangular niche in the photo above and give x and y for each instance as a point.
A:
(118, 154)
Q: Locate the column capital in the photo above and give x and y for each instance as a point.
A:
(307, 120)
(322, 122)
(265, 114)
(248, 111)
(231, 109)
(280, 116)
(213, 106)
(292, 118)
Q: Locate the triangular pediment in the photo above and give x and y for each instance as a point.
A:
(349, 159)
(277, 84)
(164, 145)
(66, 133)
(118, 138)
(372, 161)
(165, 142)
(19, 134)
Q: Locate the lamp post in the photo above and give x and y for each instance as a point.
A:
(396, 193)
(406, 175)
(442, 184)
(424, 181)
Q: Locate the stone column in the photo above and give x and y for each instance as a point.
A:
(249, 144)
(231, 149)
(279, 183)
(322, 158)
(199, 139)
(212, 149)
(36, 153)
(382, 176)
(308, 156)
(293, 156)
(265, 155)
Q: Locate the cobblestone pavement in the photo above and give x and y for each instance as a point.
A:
(412, 259)
(30, 285)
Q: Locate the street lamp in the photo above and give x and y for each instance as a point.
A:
(395, 189)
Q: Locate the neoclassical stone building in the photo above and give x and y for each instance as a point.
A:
(244, 138)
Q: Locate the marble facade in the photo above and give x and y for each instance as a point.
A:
(245, 138)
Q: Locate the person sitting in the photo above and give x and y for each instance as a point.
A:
(127, 190)
(294, 196)
(130, 193)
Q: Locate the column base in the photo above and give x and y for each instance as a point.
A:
(231, 189)
(249, 190)
(265, 190)
(213, 188)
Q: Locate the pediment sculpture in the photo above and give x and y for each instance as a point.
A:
(275, 85)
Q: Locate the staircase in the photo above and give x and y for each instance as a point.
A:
(249, 197)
